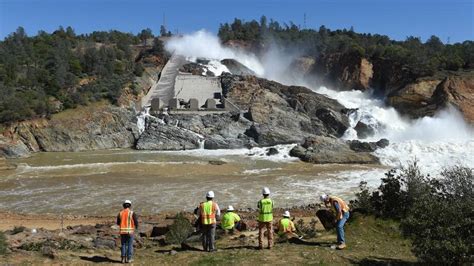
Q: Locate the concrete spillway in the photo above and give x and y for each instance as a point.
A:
(164, 88)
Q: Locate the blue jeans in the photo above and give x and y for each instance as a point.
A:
(127, 246)
(340, 228)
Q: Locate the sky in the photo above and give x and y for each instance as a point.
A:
(451, 20)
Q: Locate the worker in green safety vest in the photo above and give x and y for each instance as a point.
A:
(230, 220)
(286, 227)
(265, 218)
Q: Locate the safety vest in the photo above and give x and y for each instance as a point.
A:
(127, 225)
(342, 204)
(229, 219)
(285, 226)
(266, 210)
(208, 212)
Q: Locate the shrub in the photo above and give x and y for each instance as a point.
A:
(436, 213)
(307, 230)
(18, 229)
(3, 243)
(179, 231)
(441, 223)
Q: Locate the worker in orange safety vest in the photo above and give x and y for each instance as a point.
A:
(128, 222)
(209, 212)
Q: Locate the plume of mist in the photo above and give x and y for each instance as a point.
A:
(206, 45)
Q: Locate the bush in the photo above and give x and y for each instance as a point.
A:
(18, 229)
(441, 223)
(395, 195)
(437, 213)
(179, 231)
(3, 243)
(309, 230)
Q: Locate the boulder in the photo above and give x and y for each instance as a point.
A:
(48, 251)
(321, 150)
(363, 130)
(360, 146)
(327, 219)
(271, 151)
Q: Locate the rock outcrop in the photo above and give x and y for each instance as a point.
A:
(84, 128)
(459, 92)
(236, 68)
(284, 114)
(414, 98)
(426, 96)
(322, 150)
(344, 71)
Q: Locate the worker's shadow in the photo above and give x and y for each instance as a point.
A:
(297, 241)
(184, 247)
(242, 247)
(99, 259)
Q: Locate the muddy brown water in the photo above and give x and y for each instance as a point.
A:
(97, 182)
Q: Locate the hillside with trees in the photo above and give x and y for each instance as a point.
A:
(47, 73)
(418, 57)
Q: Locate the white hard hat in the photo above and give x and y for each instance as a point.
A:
(230, 208)
(265, 191)
(210, 194)
(286, 214)
(127, 202)
(323, 197)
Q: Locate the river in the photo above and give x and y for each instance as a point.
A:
(97, 182)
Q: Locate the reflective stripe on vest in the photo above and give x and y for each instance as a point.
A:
(266, 210)
(127, 225)
(284, 226)
(342, 204)
(208, 212)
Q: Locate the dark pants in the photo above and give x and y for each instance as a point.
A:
(208, 236)
(127, 246)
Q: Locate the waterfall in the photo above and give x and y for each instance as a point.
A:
(201, 144)
(436, 142)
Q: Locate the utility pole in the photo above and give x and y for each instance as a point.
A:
(447, 42)
(304, 21)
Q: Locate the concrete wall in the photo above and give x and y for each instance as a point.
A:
(189, 86)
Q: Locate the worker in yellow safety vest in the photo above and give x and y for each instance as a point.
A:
(342, 214)
(230, 220)
(265, 218)
(128, 222)
(209, 212)
(286, 227)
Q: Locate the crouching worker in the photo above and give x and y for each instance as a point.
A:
(230, 221)
(286, 227)
(342, 214)
(128, 222)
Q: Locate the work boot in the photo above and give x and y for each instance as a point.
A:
(123, 260)
(260, 247)
(341, 246)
